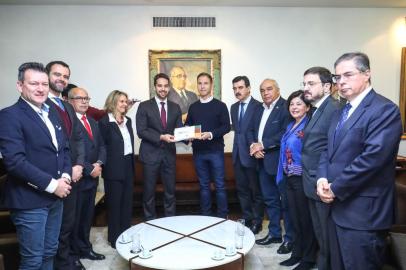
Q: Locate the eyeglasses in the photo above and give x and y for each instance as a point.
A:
(83, 99)
(310, 84)
(346, 75)
(180, 76)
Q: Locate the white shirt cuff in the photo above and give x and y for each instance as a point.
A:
(211, 136)
(67, 176)
(52, 186)
(321, 179)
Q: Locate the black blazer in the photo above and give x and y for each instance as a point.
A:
(315, 142)
(114, 168)
(149, 129)
(95, 151)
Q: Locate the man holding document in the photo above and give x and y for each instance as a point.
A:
(156, 121)
(208, 150)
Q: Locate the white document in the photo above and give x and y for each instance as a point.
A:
(186, 133)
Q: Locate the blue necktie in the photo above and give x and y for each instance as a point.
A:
(60, 104)
(242, 105)
(344, 116)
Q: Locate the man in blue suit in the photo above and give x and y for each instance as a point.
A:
(248, 191)
(36, 156)
(268, 126)
(357, 171)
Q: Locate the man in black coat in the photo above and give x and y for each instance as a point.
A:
(156, 121)
(95, 157)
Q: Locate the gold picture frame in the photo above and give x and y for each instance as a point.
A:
(402, 93)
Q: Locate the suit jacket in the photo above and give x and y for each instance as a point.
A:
(30, 157)
(149, 129)
(114, 168)
(274, 129)
(175, 97)
(360, 163)
(95, 150)
(240, 144)
(76, 142)
(315, 142)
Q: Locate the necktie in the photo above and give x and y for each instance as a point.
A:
(242, 105)
(87, 126)
(163, 115)
(344, 116)
(60, 104)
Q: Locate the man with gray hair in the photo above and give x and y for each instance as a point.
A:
(356, 173)
(268, 126)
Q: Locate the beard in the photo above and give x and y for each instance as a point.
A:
(56, 88)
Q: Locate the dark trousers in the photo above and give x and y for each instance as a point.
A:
(63, 259)
(356, 249)
(166, 170)
(249, 193)
(304, 241)
(83, 222)
(119, 199)
(276, 205)
(319, 212)
(211, 165)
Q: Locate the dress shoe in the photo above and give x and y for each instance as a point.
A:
(285, 248)
(268, 240)
(256, 228)
(304, 266)
(291, 261)
(78, 265)
(91, 255)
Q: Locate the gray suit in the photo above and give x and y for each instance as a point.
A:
(184, 104)
(157, 156)
(314, 143)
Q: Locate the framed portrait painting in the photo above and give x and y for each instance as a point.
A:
(402, 93)
(182, 67)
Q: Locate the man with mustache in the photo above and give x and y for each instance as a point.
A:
(156, 121)
(59, 73)
(248, 191)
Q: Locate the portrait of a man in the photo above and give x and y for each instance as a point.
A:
(178, 92)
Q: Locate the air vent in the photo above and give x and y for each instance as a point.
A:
(184, 22)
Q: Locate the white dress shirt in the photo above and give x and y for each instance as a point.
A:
(128, 147)
(265, 115)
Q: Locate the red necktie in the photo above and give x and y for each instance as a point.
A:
(163, 115)
(87, 126)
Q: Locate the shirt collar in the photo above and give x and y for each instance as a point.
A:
(272, 104)
(247, 100)
(206, 100)
(44, 107)
(158, 101)
(112, 119)
(318, 104)
(358, 99)
(79, 115)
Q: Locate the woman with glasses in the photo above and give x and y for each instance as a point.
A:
(118, 172)
(290, 170)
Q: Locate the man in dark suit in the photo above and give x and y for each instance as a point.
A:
(94, 159)
(357, 171)
(178, 92)
(268, 126)
(59, 73)
(36, 157)
(156, 120)
(248, 191)
(317, 82)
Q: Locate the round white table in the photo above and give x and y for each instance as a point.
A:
(185, 242)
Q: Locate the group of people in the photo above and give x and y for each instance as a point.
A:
(323, 167)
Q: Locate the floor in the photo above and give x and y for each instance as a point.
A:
(259, 257)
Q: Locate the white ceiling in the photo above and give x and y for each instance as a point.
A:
(270, 3)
